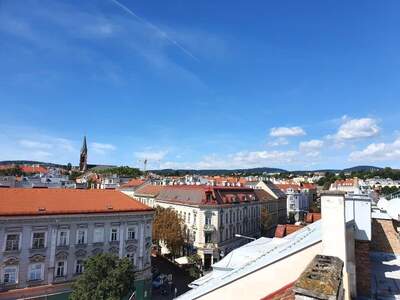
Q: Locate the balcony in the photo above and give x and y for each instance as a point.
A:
(38, 250)
(131, 242)
(209, 227)
(62, 247)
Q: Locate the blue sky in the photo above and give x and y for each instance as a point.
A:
(201, 84)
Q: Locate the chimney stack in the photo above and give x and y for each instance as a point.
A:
(336, 240)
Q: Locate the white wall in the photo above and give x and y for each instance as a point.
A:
(265, 281)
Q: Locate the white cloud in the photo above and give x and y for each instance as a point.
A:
(263, 157)
(278, 142)
(286, 131)
(34, 144)
(238, 160)
(101, 148)
(151, 155)
(311, 145)
(378, 152)
(352, 129)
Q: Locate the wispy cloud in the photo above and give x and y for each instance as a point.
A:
(287, 131)
(101, 148)
(281, 141)
(162, 33)
(34, 144)
(151, 155)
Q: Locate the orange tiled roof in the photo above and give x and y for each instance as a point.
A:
(33, 169)
(283, 230)
(284, 293)
(20, 202)
(309, 186)
(312, 217)
(133, 183)
(150, 189)
(280, 231)
(285, 186)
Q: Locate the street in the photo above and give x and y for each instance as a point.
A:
(180, 278)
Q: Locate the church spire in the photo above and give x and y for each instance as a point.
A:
(84, 146)
(83, 157)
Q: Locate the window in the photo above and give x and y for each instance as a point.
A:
(131, 233)
(62, 238)
(208, 237)
(81, 236)
(131, 257)
(79, 266)
(226, 218)
(194, 219)
(11, 275)
(98, 235)
(38, 240)
(60, 268)
(194, 236)
(208, 220)
(35, 272)
(12, 241)
(114, 234)
(188, 218)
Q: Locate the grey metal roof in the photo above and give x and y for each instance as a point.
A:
(252, 257)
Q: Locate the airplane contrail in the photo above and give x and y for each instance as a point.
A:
(154, 27)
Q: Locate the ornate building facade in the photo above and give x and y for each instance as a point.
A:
(47, 234)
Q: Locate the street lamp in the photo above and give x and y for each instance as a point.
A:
(245, 237)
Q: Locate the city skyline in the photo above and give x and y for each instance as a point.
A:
(305, 86)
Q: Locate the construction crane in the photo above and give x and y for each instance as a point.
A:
(144, 162)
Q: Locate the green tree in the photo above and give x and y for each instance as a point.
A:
(169, 229)
(195, 264)
(74, 175)
(69, 166)
(122, 171)
(106, 277)
(265, 221)
(12, 171)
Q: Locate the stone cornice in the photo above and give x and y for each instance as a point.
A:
(56, 219)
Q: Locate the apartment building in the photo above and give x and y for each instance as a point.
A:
(213, 215)
(47, 234)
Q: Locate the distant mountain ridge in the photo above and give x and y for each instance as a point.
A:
(205, 171)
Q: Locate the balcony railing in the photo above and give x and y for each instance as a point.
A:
(209, 227)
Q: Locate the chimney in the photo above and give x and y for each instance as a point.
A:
(336, 240)
(321, 280)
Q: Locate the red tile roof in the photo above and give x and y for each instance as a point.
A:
(312, 217)
(133, 183)
(33, 169)
(284, 293)
(21, 202)
(149, 190)
(280, 231)
(309, 186)
(283, 230)
(285, 186)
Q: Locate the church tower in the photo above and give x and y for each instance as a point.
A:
(83, 157)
